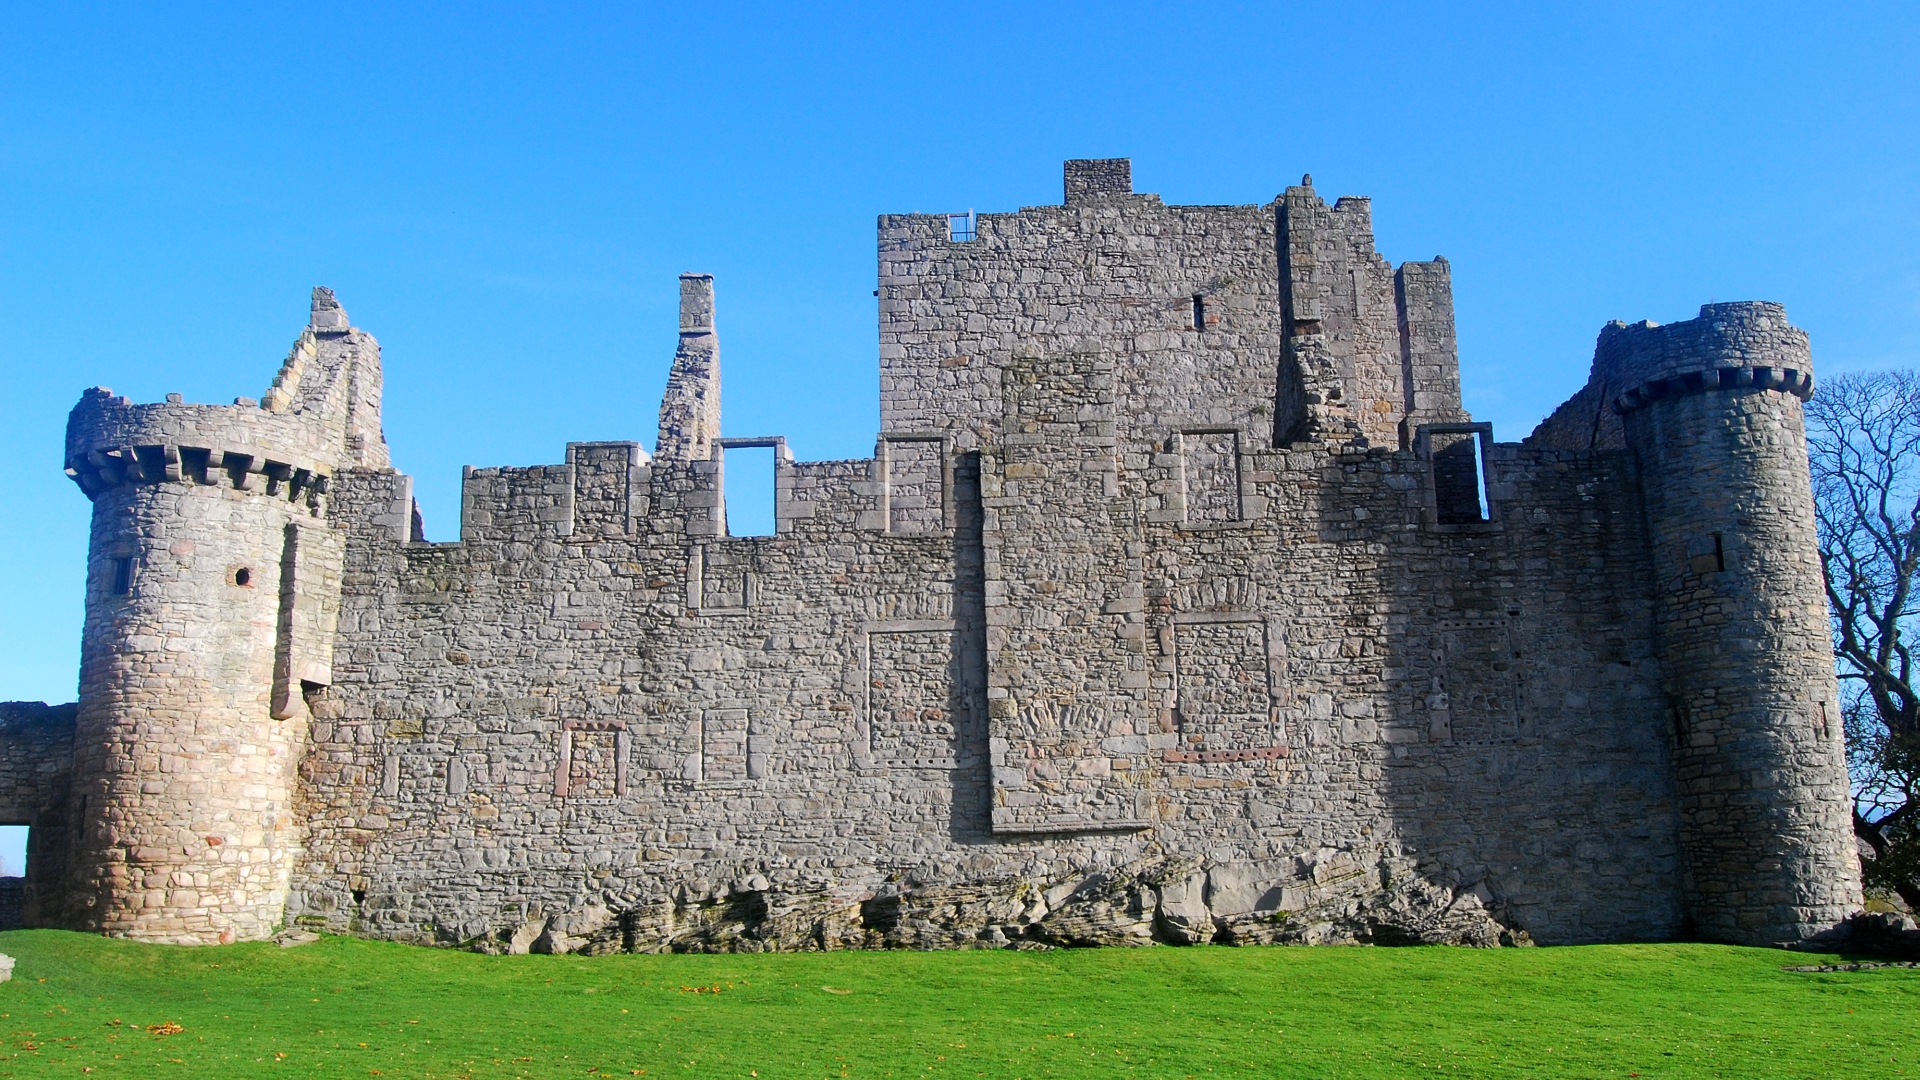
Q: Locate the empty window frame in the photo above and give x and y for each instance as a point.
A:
(13, 852)
(1457, 467)
(13, 868)
(960, 227)
(749, 477)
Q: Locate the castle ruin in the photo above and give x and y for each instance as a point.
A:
(1180, 601)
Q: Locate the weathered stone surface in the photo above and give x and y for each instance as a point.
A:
(1182, 601)
(1154, 900)
(1884, 933)
(36, 765)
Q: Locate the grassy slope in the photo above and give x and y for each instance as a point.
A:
(344, 1007)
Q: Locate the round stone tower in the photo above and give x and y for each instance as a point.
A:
(1713, 418)
(212, 592)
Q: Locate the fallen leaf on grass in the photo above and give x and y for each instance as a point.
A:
(835, 990)
(168, 1028)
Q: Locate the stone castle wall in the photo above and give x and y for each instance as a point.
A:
(812, 708)
(36, 762)
(1180, 601)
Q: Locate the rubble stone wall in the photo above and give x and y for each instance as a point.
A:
(36, 766)
(1329, 679)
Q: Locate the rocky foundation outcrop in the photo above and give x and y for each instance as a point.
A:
(1335, 898)
(1879, 933)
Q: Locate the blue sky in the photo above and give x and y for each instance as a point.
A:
(503, 195)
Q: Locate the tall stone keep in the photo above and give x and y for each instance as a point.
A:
(212, 596)
(1713, 419)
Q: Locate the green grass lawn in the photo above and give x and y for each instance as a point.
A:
(349, 1008)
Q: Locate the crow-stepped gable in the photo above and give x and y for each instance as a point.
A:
(1180, 601)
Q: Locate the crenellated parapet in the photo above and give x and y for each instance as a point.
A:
(322, 412)
(112, 442)
(1729, 347)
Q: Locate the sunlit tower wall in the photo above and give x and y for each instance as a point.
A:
(213, 583)
(1713, 417)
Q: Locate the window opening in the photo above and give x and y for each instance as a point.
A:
(1199, 312)
(13, 851)
(748, 494)
(1707, 554)
(243, 577)
(13, 871)
(1460, 478)
(122, 576)
(960, 227)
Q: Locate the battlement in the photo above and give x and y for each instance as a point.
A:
(614, 490)
(1092, 178)
(321, 412)
(112, 442)
(1729, 346)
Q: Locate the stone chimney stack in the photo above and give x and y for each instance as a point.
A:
(327, 312)
(690, 410)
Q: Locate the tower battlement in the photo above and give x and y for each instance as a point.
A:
(1181, 600)
(112, 442)
(1730, 346)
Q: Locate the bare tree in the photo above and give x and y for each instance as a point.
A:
(1864, 441)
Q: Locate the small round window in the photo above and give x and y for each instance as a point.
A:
(243, 577)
